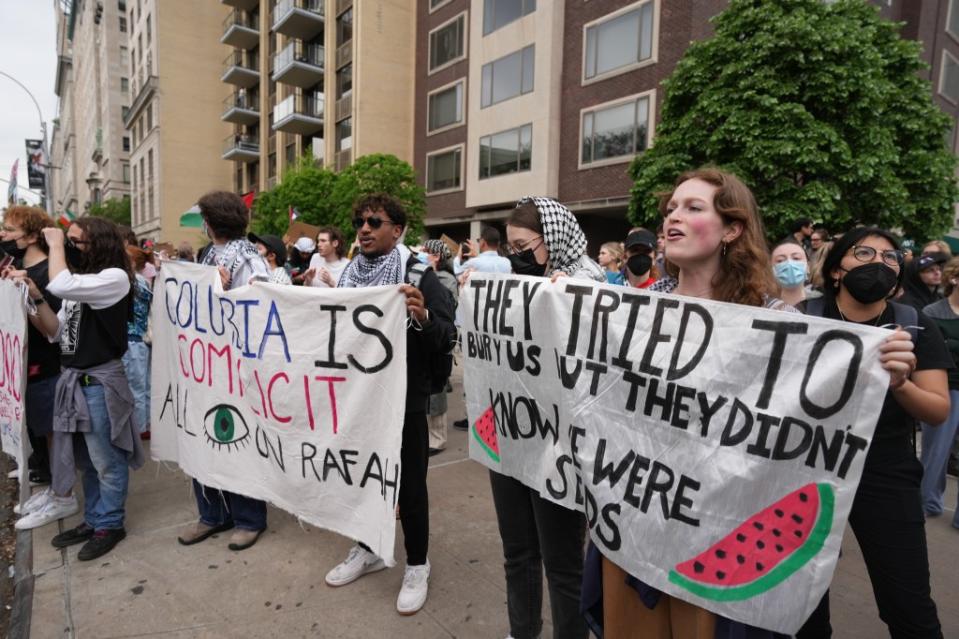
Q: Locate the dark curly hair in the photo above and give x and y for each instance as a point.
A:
(107, 247)
(381, 202)
(225, 214)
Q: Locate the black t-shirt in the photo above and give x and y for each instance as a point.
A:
(43, 356)
(93, 336)
(895, 426)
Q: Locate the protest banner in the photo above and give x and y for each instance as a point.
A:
(298, 229)
(715, 449)
(13, 378)
(289, 394)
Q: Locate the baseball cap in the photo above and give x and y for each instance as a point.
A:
(640, 238)
(305, 245)
(931, 259)
(272, 243)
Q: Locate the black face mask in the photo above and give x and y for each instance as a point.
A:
(73, 255)
(870, 282)
(639, 264)
(10, 248)
(524, 263)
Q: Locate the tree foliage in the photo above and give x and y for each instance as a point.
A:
(819, 107)
(114, 209)
(307, 187)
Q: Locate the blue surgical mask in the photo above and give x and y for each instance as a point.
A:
(423, 258)
(791, 273)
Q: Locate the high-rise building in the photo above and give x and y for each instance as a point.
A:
(89, 146)
(173, 122)
(331, 76)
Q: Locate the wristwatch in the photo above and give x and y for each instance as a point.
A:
(40, 300)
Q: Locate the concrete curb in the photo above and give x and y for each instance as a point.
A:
(21, 612)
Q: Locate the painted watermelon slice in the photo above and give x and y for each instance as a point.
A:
(484, 430)
(764, 551)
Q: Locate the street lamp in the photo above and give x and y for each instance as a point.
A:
(46, 150)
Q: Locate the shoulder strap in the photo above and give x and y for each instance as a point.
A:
(816, 307)
(908, 318)
(415, 271)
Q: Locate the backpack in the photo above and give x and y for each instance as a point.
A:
(905, 316)
(440, 362)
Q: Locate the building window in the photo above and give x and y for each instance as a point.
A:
(344, 134)
(615, 132)
(620, 42)
(124, 84)
(508, 77)
(499, 13)
(446, 107)
(126, 143)
(952, 19)
(949, 77)
(123, 24)
(344, 81)
(448, 43)
(124, 111)
(344, 27)
(506, 152)
(122, 5)
(148, 29)
(150, 117)
(125, 167)
(436, 4)
(444, 170)
(290, 155)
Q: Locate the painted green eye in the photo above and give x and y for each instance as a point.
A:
(224, 426)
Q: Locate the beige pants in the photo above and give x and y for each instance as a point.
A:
(437, 431)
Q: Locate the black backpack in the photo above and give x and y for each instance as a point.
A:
(440, 362)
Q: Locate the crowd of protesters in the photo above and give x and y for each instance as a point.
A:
(87, 399)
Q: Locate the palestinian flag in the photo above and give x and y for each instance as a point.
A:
(66, 218)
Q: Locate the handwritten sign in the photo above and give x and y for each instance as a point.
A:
(289, 394)
(715, 449)
(13, 357)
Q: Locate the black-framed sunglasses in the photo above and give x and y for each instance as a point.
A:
(531, 245)
(892, 257)
(76, 243)
(374, 222)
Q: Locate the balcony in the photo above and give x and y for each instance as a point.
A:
(344, 54)
(344, 107)
(299, 114)
(301, 19)
(246, 5)
(241, 70)
(298, 64)
(343, 5)
(342, 159)
(241, 108)
(240, 31)
(241, 148)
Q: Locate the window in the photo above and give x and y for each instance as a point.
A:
(290, 154)
(125, 167)
(620, 42)
(122, 5)
(126, 143)
(446, 107)
(149, 34)
(615, 132)
(123, 24)
(436, 4)
(952, 19)
(448, 43)
(150, 117)
(344, 27)
(123, 52)
(444, 170)
(949, 78)
(344, 81)
(124, 111)
(499, 13)
(344, 134)
(125, 84)
(140, 47)
(508, 77)
(506, 152)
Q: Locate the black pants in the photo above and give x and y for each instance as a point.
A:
(413, 499)
(889, 525)
(537, 533)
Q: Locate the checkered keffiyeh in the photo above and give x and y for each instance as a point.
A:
(438, 248)
(565, 240)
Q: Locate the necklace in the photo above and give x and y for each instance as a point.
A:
(875, 322)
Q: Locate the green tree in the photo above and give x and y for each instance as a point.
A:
(381, 173)
(306, 187)
(819, 107)
(114, 209)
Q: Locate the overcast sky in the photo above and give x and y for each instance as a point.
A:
(28, 53)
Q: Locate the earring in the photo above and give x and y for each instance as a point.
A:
(724, 249)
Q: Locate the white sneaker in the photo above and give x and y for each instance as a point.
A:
(55, 508)
(416, 585)
(358, 562)
(13, 474)
(34, 503)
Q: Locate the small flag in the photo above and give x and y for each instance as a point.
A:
(192, 218)
(66, 218)
(248, 199)
(293, 214)
(12, 189)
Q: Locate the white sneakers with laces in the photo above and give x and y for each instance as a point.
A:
(416, 584)
(52, 509)
(34, 503)
(358, 562)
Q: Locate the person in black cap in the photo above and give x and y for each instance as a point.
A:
(923, 280)
(271, 248)
(640, 248)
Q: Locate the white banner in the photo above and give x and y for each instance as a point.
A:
(295, 395)
(714, 448)
(13, 349)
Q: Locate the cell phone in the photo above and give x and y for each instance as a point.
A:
(6, 261)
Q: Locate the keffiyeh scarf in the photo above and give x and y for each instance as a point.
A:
(565, 240)
(232, 255)
(377, 271)
(438, 248)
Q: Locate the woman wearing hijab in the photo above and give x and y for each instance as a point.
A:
(544, 240)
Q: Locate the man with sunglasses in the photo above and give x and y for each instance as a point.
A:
(379, 221)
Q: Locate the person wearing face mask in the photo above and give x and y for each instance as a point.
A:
(271, 249)
(640, 271)
(862, 273)
(791, 269)
(91, 272)
(922, 280)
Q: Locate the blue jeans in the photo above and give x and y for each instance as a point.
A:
(218, 507)
(936, 446)
(103, 466)
(136, 362)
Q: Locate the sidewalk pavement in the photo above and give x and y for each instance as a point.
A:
(152, 586)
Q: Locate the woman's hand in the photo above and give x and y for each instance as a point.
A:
(897, 357)
(53, 235)
(20, 277)
(557, 275)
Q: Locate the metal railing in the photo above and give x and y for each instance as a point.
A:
(242, 142)
(344, 54)
(308, 105)
(283, 7)
(343, 5)
(240, 19)
(344, 107)
(297, 51)
(242, 100)
(244, 60)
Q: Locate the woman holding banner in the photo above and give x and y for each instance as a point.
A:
(862, 272)
(544, 240)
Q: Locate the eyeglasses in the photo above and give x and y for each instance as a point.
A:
(77, 243)
(891, 257)
(533, 244)
(374, 222)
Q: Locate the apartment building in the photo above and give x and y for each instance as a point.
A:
(89, 146)
(519, 97)
(332, 76)
(173, 122)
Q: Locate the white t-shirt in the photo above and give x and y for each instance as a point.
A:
(335, 268)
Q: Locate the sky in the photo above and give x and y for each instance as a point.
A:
(28, 53)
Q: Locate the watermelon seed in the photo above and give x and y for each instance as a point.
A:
(803, 497)
(779, 548)
(740, 559)
(779, 513)
(740, 537)
(720, 553)
(720, 574)
(757, 525)
(698, 567)
(798, 533)
(796, 518)
(776, 532)
(759, 566)
(760, 544)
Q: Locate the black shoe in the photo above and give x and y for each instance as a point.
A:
(435, 451)
(952, 469)
(461, 424)
(101, 543)
(73, 536)
(39, 478)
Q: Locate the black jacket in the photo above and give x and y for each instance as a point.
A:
(421, 345)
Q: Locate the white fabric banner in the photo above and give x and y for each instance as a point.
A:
(13, 378)
(289, 394)
(714, 448)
